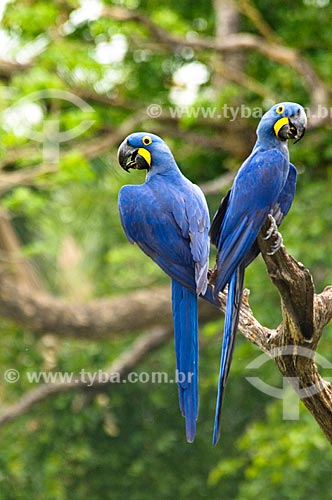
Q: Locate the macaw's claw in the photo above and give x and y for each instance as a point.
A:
(272, 229)
(212, 274)
(277, 244)
(273, 233)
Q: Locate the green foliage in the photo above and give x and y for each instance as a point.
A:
(278, 460)
(128, 441)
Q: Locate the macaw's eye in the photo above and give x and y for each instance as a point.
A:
(146, 140)
(280, 110)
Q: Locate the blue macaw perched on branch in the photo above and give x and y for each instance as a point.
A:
(263, 187)
(168, 218)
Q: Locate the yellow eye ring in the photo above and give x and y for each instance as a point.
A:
(146, 140)
(280, 110)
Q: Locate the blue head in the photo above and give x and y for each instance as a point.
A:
(285, 120)
(142, 150)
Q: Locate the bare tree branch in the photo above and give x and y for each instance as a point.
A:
(41, 313)
(9, 68)
(295, 286)
(123, 365)
(102, 318)
(247, 8)
(24, 177)
(323, 308)
(296, 339)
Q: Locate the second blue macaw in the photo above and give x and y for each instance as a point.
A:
(168, 218)
(263, 187)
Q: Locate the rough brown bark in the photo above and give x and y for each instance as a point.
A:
(40, 312)
(294, 344)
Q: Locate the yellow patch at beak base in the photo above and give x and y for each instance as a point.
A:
(279, 124)
(146, 155)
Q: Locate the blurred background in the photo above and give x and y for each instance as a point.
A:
(75, 79)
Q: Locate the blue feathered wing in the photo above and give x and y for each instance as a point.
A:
(234, 231)
(168, 219)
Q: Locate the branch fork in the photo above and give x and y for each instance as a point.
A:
(296, 339)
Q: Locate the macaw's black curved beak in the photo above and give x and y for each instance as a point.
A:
(295, 127)
(131, 157)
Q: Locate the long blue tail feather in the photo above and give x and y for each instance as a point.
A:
(185, 317)
(233, 305)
